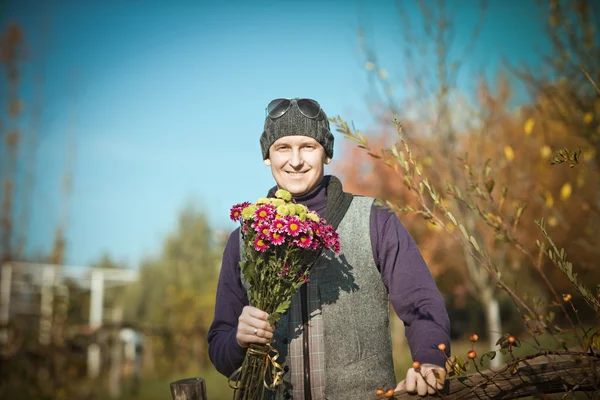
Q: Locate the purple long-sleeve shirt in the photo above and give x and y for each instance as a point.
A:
(412, 291)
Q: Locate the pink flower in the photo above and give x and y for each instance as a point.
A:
(236, 211)
(260, 245)
(277, 238)
(264, 213)
(303, 240)
(263, 230)
(278, 225)
(293, 226)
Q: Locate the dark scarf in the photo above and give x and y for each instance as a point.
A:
(338, 201)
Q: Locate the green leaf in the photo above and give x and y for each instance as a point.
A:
(490, 354)
(281, 308)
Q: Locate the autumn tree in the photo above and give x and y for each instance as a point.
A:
(173, 300)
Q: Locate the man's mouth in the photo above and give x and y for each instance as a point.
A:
(295, 174)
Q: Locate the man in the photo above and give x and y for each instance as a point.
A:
(334, 341)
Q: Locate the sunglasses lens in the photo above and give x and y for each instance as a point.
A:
(308, 107)
(278, 107)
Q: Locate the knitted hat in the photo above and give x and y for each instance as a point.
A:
(294, 123)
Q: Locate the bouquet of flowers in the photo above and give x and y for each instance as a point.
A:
(281, 241)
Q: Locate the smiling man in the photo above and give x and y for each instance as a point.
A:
(334, 341)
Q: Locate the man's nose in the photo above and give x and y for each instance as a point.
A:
(296, 159)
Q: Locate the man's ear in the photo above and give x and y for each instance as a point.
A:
(327, 160)
(267, 162)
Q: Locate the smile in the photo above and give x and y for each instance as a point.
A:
(295, 173)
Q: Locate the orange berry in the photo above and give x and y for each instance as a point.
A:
(442, 346)
(472, 354)
(389, 392)
(566, 297)
(379, 391)
(511, 339)
(416, 365)
(474, 337)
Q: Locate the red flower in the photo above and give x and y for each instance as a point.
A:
(264, 212)
(278, 225)
(260, 245)
(293, 226)
(303, 240)
(277, 238)
(236, 211)
(263, 230)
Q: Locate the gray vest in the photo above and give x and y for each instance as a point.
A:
(354, 311)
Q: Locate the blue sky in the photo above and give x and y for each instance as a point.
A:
(165, 101)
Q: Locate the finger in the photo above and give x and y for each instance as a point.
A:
(411, 383)
(431, 381)
(401, 385)
(262, 333)
(246, 336)
(257, 318)
(421, 385)
(440, 378)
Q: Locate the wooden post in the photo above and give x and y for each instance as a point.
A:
(189, 389)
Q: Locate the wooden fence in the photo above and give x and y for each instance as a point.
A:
(528, 378)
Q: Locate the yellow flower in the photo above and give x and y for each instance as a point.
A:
(545, 151)
(552, 221)
(382, 73)
(588, 118)
(509, 153)
(248, 212)
(565, 191)
(300, 208)
(312, 217)
(369, 66)
(277, 202)
(528, 127)
(283, 194)
(263, 200)
(283, 210)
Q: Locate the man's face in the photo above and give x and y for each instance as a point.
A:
(297, 163)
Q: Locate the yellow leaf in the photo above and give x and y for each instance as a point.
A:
(509, 153)
(549, 199)
(588, 155)
(529, 126)
(565, 191)
(545, 151)
(588, 118)
(434, 228)
(552, 221)
(369, 66)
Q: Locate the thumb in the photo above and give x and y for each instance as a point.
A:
(401, 385)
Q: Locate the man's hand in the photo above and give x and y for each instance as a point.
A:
(424, 380)
(253, 327)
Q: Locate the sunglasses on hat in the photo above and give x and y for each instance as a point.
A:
(308, 107)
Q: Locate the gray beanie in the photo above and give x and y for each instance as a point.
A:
(294, 123)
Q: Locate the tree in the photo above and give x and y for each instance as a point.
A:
(174, 298)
